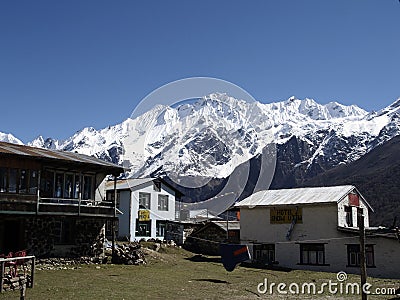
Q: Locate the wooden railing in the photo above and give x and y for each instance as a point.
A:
(13, 263)
(46, 205)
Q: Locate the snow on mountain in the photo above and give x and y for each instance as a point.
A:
(9, 138)
(213, 135)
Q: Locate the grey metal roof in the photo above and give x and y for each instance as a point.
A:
(311, 195)
(46, 154)
(232, 225)
(129, 183)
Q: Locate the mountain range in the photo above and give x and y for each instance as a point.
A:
(211, 137)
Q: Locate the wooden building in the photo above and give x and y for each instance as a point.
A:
(52, 202)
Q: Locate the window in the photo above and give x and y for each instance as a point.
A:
(12, 181)
(58, 193)
(47, 184)
(160, 228)
(143, 228)
(33, 182)
(87, 187)
(23, 182)
(68, 187)
(163, 202)
(3, 180)
(264, 253)
(312, 254)
(77, 186)
(157, 186)
(144, 200)
(349, 215)
(353, 255)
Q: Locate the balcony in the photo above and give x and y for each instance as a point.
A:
(36, 205)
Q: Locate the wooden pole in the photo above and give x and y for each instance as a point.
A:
(22, 288)
(38, 192)
(113, 221)
(32, 281)
(363, 261)
(1, 276)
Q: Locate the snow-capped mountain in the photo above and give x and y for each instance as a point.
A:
(213, 135)
(9, 138)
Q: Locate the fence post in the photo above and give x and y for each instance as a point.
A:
(1, 276)
(32, 272)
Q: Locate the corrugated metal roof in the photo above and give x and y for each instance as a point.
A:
(129, 183)
(46, 154)
(332, 194)
(232, 225)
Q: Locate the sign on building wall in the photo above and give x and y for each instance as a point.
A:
(285, 215)
(143, 215)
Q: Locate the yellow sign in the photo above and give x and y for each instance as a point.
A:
(285, 215)
(144, 215)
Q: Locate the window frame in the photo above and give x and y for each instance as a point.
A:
(163, 202)
(141, 197)
(3, 180)
(354, 255)
(264, 253)
(138, 232)
(161, 224)
(311, 254)
(349, 215)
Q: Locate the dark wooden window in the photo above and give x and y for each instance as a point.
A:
(87, 187)
(69, 186)
(3, 180)
(264, 253)
(33, 181)
(353, 255)
(160, 228)
(349, 215)
(59, 185)
(23, 181)
(312, 254)
(143, 228)
(12, 180)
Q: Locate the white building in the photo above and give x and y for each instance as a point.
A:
(315, 229)
(146, 205)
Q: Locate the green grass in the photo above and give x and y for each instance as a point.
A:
(172, 274)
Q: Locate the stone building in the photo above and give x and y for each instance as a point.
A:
(52, 202)
(207, 238)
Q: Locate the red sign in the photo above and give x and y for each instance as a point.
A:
(354, 200)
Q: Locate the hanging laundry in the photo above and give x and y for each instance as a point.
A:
(233, 254)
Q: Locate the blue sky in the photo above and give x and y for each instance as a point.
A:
(65, 65)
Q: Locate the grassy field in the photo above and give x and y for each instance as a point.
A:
(174, 273)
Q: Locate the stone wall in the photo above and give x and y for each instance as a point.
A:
(48, 236)
(206, 241)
